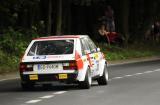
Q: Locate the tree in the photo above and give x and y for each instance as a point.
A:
(125, 19)
(49, 18)
(59, 18)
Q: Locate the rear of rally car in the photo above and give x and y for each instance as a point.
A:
(50, 59)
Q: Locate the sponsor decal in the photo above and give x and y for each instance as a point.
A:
(47, 57)
(39, 57)
(39, 66)
(54, 57)
(96, 56)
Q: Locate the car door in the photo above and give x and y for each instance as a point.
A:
(90, 53)
(87, 53)
(94, 56)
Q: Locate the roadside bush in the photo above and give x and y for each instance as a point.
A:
(8, 63)
(12, 46)
(15, 42)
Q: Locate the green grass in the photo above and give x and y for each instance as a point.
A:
(8, 63)
(132, 51)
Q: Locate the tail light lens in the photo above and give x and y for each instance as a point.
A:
(25, 67)
(70, 66)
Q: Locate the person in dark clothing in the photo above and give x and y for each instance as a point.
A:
(108, 37)
(103, 33)
(109, 15)
(156, 31)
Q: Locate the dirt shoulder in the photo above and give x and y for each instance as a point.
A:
(7, 76)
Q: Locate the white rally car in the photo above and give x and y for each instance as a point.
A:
(68, 59)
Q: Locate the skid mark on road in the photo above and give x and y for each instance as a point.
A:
(136, 74)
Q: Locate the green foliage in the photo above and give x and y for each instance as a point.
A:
(12, 46)
(132, 51)
(14, 42)
(8, 63)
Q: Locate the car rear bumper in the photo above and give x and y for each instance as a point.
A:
(72, 77)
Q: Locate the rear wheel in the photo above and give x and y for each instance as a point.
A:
(86, 84)
(103, 80)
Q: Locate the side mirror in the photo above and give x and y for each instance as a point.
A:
(98, 49)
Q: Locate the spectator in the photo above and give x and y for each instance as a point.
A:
(104, 34)
(109, 15)
(108, 19)
(109, 37)
(156, 31)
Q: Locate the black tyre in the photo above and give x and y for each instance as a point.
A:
(103, 80)
(86, 84)
(27, 86)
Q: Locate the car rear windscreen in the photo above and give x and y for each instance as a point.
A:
(51, 47)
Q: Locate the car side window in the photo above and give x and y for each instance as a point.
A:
(92, 46)
(84, 46)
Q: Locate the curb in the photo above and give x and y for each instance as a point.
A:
(134, 60)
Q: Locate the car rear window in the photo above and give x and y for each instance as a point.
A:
(52, 47)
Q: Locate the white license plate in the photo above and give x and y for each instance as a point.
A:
(48, 67)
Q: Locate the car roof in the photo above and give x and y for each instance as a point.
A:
(61, 37)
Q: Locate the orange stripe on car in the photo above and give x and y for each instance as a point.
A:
(89, 59)
(79, 61)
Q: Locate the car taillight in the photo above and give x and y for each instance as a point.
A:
(25, 67)
(70, 66)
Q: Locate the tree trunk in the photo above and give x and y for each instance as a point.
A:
(67, 17)
(59, 18)
(125, 19)
(49, 20)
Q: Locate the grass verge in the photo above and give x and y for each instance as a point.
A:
(113, 53)
(8, 63)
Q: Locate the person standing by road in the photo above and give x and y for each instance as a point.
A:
(109, 15)
(103, 32)
(156, 31)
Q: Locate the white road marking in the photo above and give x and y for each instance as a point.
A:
(149, 71)
(157, 70)
(60, 92)
(136, 74)
(94, 83)
(32, 101)
(44, 97)
(128, 75)
(47, 96)
(117, 78)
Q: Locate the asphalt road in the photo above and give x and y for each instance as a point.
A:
(130, 84)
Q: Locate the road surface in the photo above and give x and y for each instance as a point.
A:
(129, 84)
